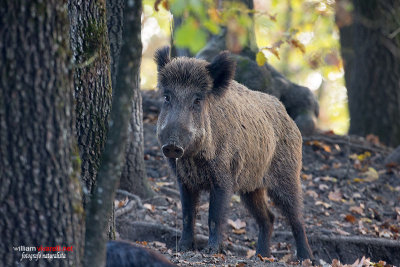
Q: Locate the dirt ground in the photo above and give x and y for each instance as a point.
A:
(351, 208)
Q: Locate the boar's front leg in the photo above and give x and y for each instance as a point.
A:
(219, 201)
(189, 200)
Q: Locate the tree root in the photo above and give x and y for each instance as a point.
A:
(149, 231)
(354, 142)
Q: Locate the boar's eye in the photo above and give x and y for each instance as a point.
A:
(197, 101)
(166, 98)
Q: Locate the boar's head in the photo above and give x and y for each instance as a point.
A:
(187, 84)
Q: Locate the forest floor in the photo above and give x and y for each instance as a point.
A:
(351, 208)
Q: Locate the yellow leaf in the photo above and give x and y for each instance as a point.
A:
(260, 58)
(371, 175)
(364, 156)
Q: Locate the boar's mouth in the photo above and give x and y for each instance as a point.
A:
(172, 151)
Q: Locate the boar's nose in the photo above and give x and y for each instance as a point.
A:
(172, 151)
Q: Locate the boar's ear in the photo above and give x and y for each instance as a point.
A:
(222, 71)
(162, 57)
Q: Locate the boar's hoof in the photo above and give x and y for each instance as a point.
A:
(185, 245)
(172, 151)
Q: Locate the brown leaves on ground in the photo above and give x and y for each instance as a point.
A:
(238, 226)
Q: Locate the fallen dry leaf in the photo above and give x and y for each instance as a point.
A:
(323, 187)
(219, 255)
(150, 207)
(326, 205)
(121, 203)
(329, 179)
(164, 183)
(250, 253)
(265, 258)
(306, 177)
(357, 210)
(239, 231)
(307, 263)
(336, 263)
(311, 193)
(373, 139)
(370, 175)
(342, 232)
(319, 144)
(238, 224)
(350, 218)
(335, 196)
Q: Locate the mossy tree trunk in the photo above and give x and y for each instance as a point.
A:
(114, 154)
(93, 91)
(371, 53)
(40, 200)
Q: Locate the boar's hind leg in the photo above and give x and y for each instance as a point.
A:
(257, 205)
(189, 200)
(287, 197)
(219, 202)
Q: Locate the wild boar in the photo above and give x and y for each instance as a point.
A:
(127, 254)
(219, 136)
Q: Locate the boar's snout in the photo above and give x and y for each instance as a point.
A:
(172, 151)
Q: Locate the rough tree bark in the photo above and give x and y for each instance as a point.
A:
(133, 178)
(40, 201)
(113, 157)
(93, 92)
(371, 52)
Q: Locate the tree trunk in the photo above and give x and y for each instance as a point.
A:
(93, 92)
(134, 178)
(113, 157)
(40, 191)
(115, 20)
(374, 81)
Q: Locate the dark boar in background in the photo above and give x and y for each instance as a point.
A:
(126, 254)
(220, 136)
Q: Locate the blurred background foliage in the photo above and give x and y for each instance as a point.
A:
(299, 38)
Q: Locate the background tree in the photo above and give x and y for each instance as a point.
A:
(37, 132)
(133, 177)
(370, 40)
(113, 157)
(93, 91)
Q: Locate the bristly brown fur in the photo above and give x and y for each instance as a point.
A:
(185, 72)
(222, 71)
(162, 57)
